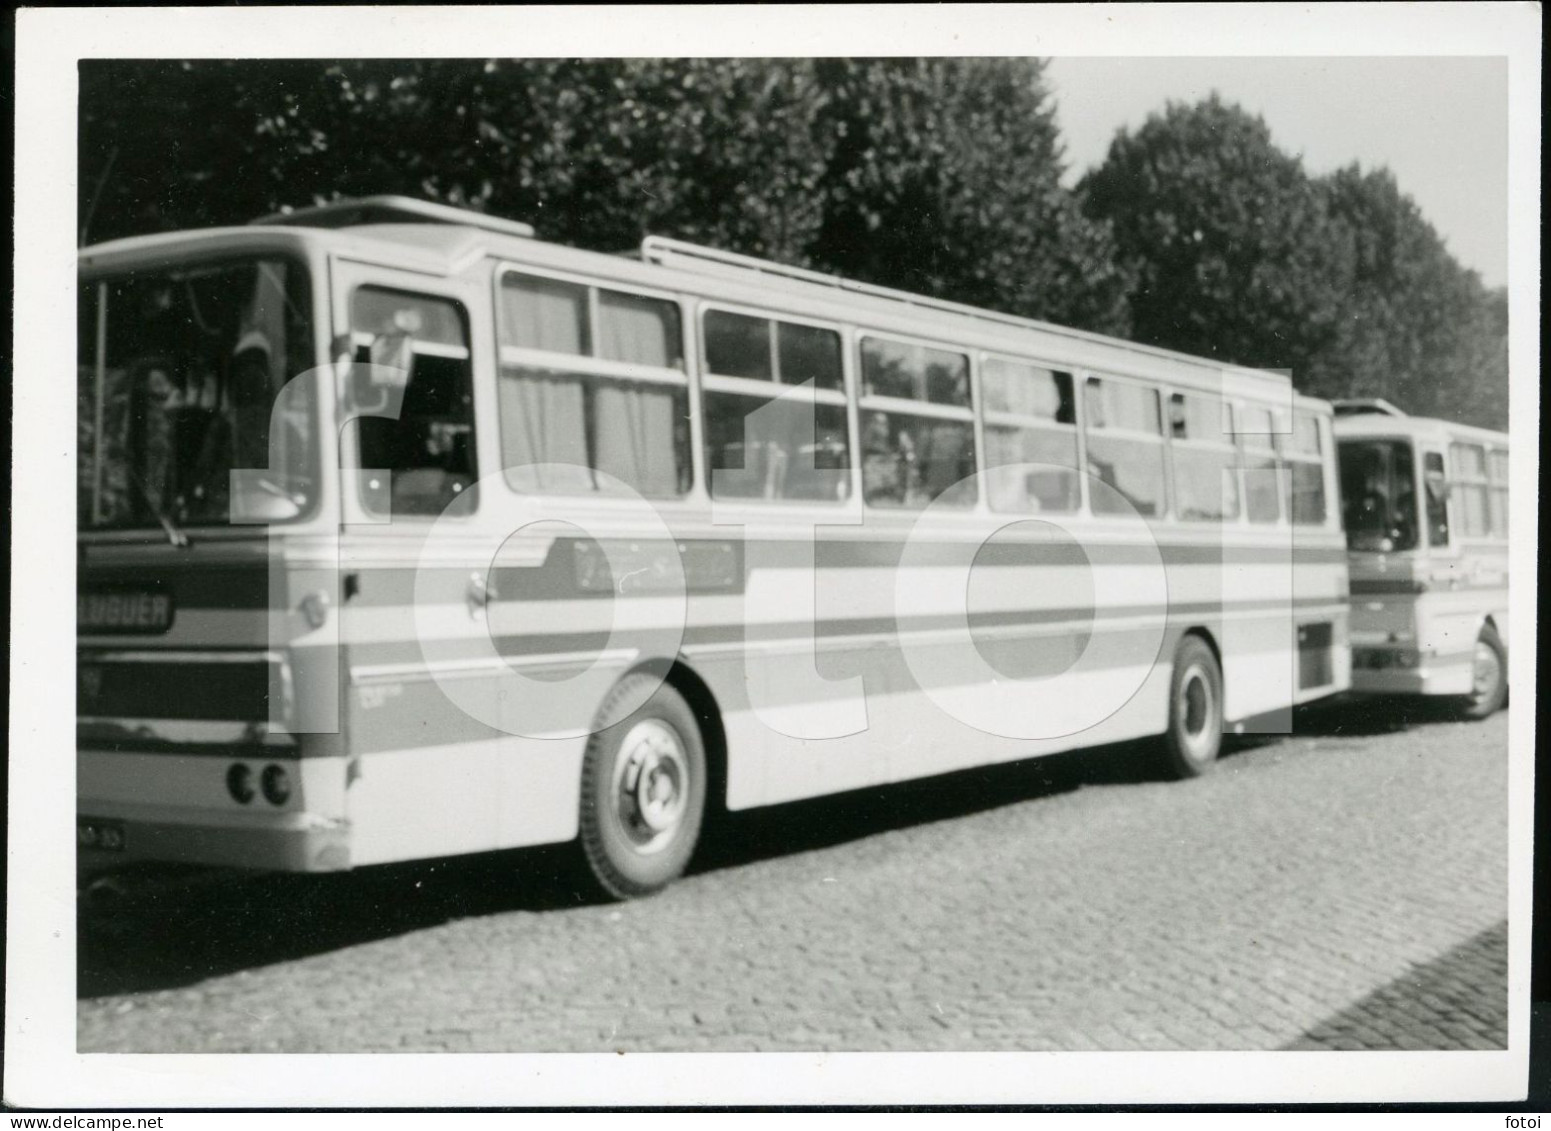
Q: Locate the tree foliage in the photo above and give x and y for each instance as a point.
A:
(1240, 254)
(945, 179)
(1232, 245)
(855, 168)
(940, 176)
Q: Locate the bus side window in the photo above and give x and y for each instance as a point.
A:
(1469, 489)
(913, 458)
(1437, 499)
(1304, 486)
(1030, 418)
(1206, 482)
(429, 450)
(1125, 447)
(1262, 498)
(1497, 465)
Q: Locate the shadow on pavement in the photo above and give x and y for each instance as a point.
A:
(1456, 1001)
(172, 929)
(164, 928)
(1357, 716)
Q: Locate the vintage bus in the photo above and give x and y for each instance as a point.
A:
(405, 534)
(1426, 515)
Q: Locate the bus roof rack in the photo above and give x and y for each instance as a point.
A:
(729, 264)
(393, 210)
(1362, 406)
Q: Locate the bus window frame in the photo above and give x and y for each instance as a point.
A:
(712, 382)
(322, 395)
(1458, 483)
(1157, 388)
(1324, 459)
(986, 417)
(1424, 450)
(1227, 417)
(897, 406)
(591, 365)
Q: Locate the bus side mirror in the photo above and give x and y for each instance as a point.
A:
(372, 383)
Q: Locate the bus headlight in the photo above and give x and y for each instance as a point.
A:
(277, 785)
(239, 783)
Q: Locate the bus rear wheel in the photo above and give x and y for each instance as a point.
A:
(643, 792)
(1194, 737)
(1489, 676)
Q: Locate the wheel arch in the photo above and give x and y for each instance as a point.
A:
(1208, 638)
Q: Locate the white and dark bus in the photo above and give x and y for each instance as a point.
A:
(1426, 514)
(405, 534)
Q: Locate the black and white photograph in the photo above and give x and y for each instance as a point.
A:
(649, 556)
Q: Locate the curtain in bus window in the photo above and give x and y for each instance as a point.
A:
(1306, 483)
(1117, 405)
(1049, 488)
(1134, 468)
(643, 331)
(1498, 512)
(640, 435)
(1261, 496)
(545, 314)
(1028, 390)
(1473, 507)
(543, 421)
(1206, 484)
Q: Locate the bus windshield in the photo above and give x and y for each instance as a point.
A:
(1379, 495)
(179, 370)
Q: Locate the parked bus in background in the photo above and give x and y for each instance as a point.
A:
(1426, 515)
(879, 527)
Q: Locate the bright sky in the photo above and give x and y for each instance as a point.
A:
(1440, 124)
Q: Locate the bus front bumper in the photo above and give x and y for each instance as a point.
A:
(1391, 670)
(108, 837)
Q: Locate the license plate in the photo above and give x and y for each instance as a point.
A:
(106, 836)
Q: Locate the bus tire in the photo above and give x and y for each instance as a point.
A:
(1489, 674)
(1194, 738)
(643, 792)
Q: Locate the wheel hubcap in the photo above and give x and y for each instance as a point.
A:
(651, 785)
(1196, 712)
(1487, 669)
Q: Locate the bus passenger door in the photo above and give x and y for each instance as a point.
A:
(424, 775)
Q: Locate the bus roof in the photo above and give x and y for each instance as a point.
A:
(450, 241)
(1379, 425)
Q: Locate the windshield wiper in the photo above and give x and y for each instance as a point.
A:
(174, 534)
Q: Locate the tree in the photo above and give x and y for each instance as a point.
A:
(1234, 252)
(945, 179)
(1417, 328)
(940, 176)
(1240, 255)
(596, 152)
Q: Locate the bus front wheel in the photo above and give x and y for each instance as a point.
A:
(1194, 737)
(643, 793)
(1489, 676)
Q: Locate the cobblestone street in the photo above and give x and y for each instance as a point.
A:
(1344, 887)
